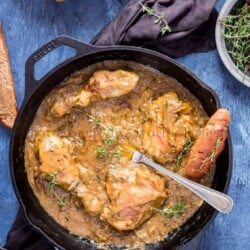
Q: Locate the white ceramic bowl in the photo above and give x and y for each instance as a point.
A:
(221, 46)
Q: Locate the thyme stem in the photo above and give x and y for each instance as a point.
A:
(159, 19)
(188, 143)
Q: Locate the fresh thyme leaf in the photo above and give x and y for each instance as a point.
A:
(188, 143)
(211, 157)
(115, 154)
(159, 19)
(165, 29)
(148, 10)
(101, 152)
(108, 130)
(178, 208)
(92, 119)
(61, 202)
(52, 183)
(217, 143)
(110, 140)
(95, 121)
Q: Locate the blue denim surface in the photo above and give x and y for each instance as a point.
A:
(29, 24)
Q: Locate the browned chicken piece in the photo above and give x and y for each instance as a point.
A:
(55, 157)
(103, 84)
(63, 104)
(168, 126)
(157, 109)
(134, 191)
(109, 84)
(92, 193)
(208, 145)
(155, 142)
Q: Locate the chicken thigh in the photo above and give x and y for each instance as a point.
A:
(167, 127)
(102, 84)
(55, 157)
(133, 190)
(91, 191)
(109, 84)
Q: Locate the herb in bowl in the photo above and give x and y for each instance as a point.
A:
(237, 36)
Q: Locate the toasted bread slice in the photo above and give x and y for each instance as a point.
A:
(8, 105)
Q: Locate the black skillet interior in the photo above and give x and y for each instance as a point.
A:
(34, 95)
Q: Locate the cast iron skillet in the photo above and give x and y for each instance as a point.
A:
(35, 91)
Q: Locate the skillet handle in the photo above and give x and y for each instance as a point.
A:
(81, 49)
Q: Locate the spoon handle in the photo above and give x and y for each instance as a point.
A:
(218, 200)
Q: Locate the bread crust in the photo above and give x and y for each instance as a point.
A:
(8, 105)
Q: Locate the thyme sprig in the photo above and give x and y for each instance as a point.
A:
(211, 157)
(176, 209)
(108, 130)
(61, 201)
(52, 182)
(237, 35)
(115, 154)
(101, 152)
(110, 140)
(188, 143)
(92, 119)
(159, 19)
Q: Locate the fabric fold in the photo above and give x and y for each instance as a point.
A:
(192, 24)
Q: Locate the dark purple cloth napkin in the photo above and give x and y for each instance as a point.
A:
(192, 24)
(22, 237)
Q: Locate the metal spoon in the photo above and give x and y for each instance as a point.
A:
(220, 201)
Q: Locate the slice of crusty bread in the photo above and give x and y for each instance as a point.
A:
(8, 106)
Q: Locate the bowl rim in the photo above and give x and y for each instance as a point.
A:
(221, 45)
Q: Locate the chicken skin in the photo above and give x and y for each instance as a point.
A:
(167, 127)
(91, 191)
(133, 191)
(54, 155)
(101, 85)
(155, 142)
(56, 158)
(109, 84)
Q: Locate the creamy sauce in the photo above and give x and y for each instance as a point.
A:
(84, 129)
